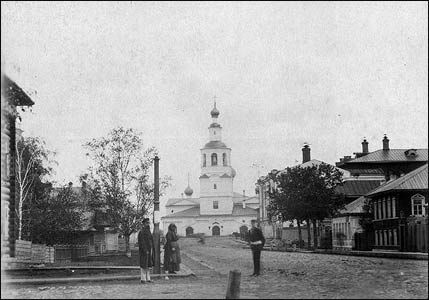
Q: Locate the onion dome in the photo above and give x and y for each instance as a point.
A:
(189, 191)
(233, 173)
(214, 112)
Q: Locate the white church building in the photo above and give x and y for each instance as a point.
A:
(218, 210)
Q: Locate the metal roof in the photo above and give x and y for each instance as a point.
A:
(415, 180)
(355, 206)
(215, 144)
(193, 212)
(237, 198)
(391, 155)
(177, 201)
(357, 187)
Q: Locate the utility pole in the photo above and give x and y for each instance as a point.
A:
(156, 219)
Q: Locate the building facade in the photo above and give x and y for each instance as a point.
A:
(218, 210)
(386, 203)
(12, 96)
(400, 210)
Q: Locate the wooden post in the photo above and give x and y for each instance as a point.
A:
(156, 219)
(233, 289)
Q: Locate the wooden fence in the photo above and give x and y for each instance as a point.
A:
(27, 251)
(68, 253)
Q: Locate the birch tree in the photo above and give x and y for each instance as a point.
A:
(32, 164)
(120, 172)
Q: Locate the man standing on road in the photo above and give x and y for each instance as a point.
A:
(145, 251)
(257, 242)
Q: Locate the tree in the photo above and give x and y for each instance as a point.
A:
(57, 216)
(119, 181)
(32, 162)
(306, 194)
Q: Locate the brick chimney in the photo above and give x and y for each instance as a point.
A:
(385, 143)
(365, 146)
(306, 154)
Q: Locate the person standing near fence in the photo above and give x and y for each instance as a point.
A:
(146, 251)
(171, 251)
(257, 242)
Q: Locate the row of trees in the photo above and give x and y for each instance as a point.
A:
(305, 194)
(118, 184)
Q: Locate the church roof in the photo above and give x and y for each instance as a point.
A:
(238, 210)
(215, 144)
(215, 125)
(190, 212)
(193, 212)
(182, 201)
(204, 176)
(238, 198)
(225, 176)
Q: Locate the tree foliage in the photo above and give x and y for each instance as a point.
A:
(56, 216)
(119, 181)
(33, 162)
(306, 193)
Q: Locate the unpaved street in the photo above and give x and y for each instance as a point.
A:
(285, 275)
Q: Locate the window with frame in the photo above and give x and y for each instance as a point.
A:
(214, 186)
(417, 203)
(215, 204)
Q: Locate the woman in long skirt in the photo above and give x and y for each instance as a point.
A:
(171, 251)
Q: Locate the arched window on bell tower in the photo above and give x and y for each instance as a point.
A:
(214, 159)
(204, 160)
(224, 159)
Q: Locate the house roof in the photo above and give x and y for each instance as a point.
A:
(193, 212)
(415, 180)
(391, 155)
(357, 187)
(15, 94)
(363, 171)
(355, 206)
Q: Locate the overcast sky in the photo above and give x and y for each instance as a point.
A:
(327, 74)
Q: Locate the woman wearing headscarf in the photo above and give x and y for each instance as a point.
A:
(171, 251)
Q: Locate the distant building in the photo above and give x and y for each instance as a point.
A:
(218, 210)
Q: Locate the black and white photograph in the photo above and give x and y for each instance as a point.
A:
(214, 150)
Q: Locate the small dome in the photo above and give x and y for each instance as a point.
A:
(214, 112)
(233, 173)
(189, 191)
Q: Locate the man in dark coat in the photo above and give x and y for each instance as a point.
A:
(257, 242)
(146, 251)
